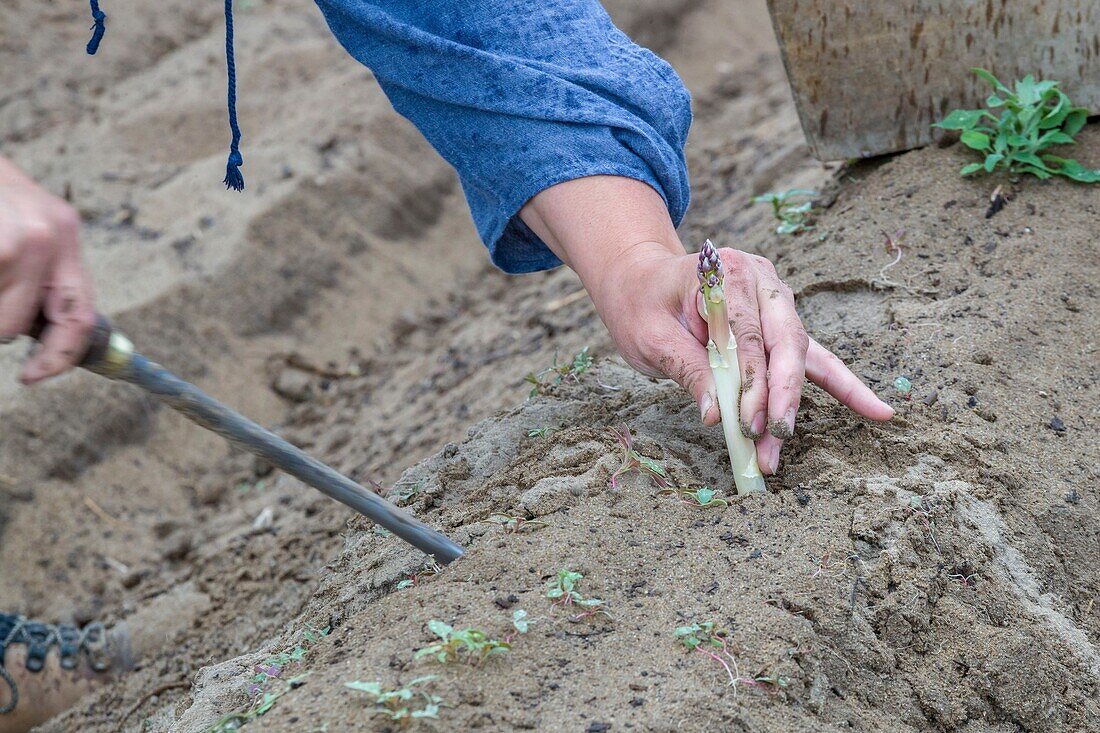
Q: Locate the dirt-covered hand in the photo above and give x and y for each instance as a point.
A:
(41, 271)
(651, 308)
(617, 235)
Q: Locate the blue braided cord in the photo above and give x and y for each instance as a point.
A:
(98, 27)
(233, 177)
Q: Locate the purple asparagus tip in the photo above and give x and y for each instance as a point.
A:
(710, 265)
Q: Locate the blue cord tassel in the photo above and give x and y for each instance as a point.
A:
(233, 177)
(99, 19)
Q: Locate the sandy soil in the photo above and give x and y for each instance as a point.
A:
(934, 574)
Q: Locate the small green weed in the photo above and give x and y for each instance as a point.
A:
(405, 491)
(712, 641)
(541, 432)
(635, 461)
(402, 705)
(471, 645)
(400, 493)
(427, 571)
(1034, 116)
(703, 497)
(794, 217)
(520, 621)
(269, 682)
(557, 373)
(562, 590)
(259, 707)
(275, 666)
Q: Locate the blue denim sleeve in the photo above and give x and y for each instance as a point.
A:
(519, 95)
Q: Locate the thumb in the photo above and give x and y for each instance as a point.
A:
(690, 368)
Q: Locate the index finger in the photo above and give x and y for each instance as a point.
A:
(826, 370)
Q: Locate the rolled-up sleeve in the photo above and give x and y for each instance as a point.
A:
(519, 95)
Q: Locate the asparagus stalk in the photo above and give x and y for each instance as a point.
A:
(722, 349)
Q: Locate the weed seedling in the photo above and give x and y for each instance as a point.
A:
(1034, 116)
(516, 524)
(794, 217)
(557, 373)
(541, 432)
(471, 645)
(402, 705)
(702, 498)
(246, 486)
(275, 666)
(770, 682)
(712, 641)
(521, 624)
(722, 349)
(259, 707)
(405, 491)
(635, 461)
(426, 572)
(562, 590)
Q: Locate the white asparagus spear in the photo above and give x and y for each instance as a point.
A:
(722, 349)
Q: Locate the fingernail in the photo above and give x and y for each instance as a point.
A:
(755, 429)
(705, 405)
(773, 459)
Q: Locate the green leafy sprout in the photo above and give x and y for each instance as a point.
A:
(269, 682)
(635, 461)
(402, 705)
(703, 497)
(259, 707)
(557, 372)
(793, 216)
(1034, 116)
(471, 645)
(520, 621)
(712, 641)
(403, 492)
(275, 666)
(541, 432)
(562, 590)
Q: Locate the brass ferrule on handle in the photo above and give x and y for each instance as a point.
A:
(114, 359)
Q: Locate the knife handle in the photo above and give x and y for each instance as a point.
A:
(99, 340)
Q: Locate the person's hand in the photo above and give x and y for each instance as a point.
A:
(649, 301)
(616, 234)
(41, 271)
